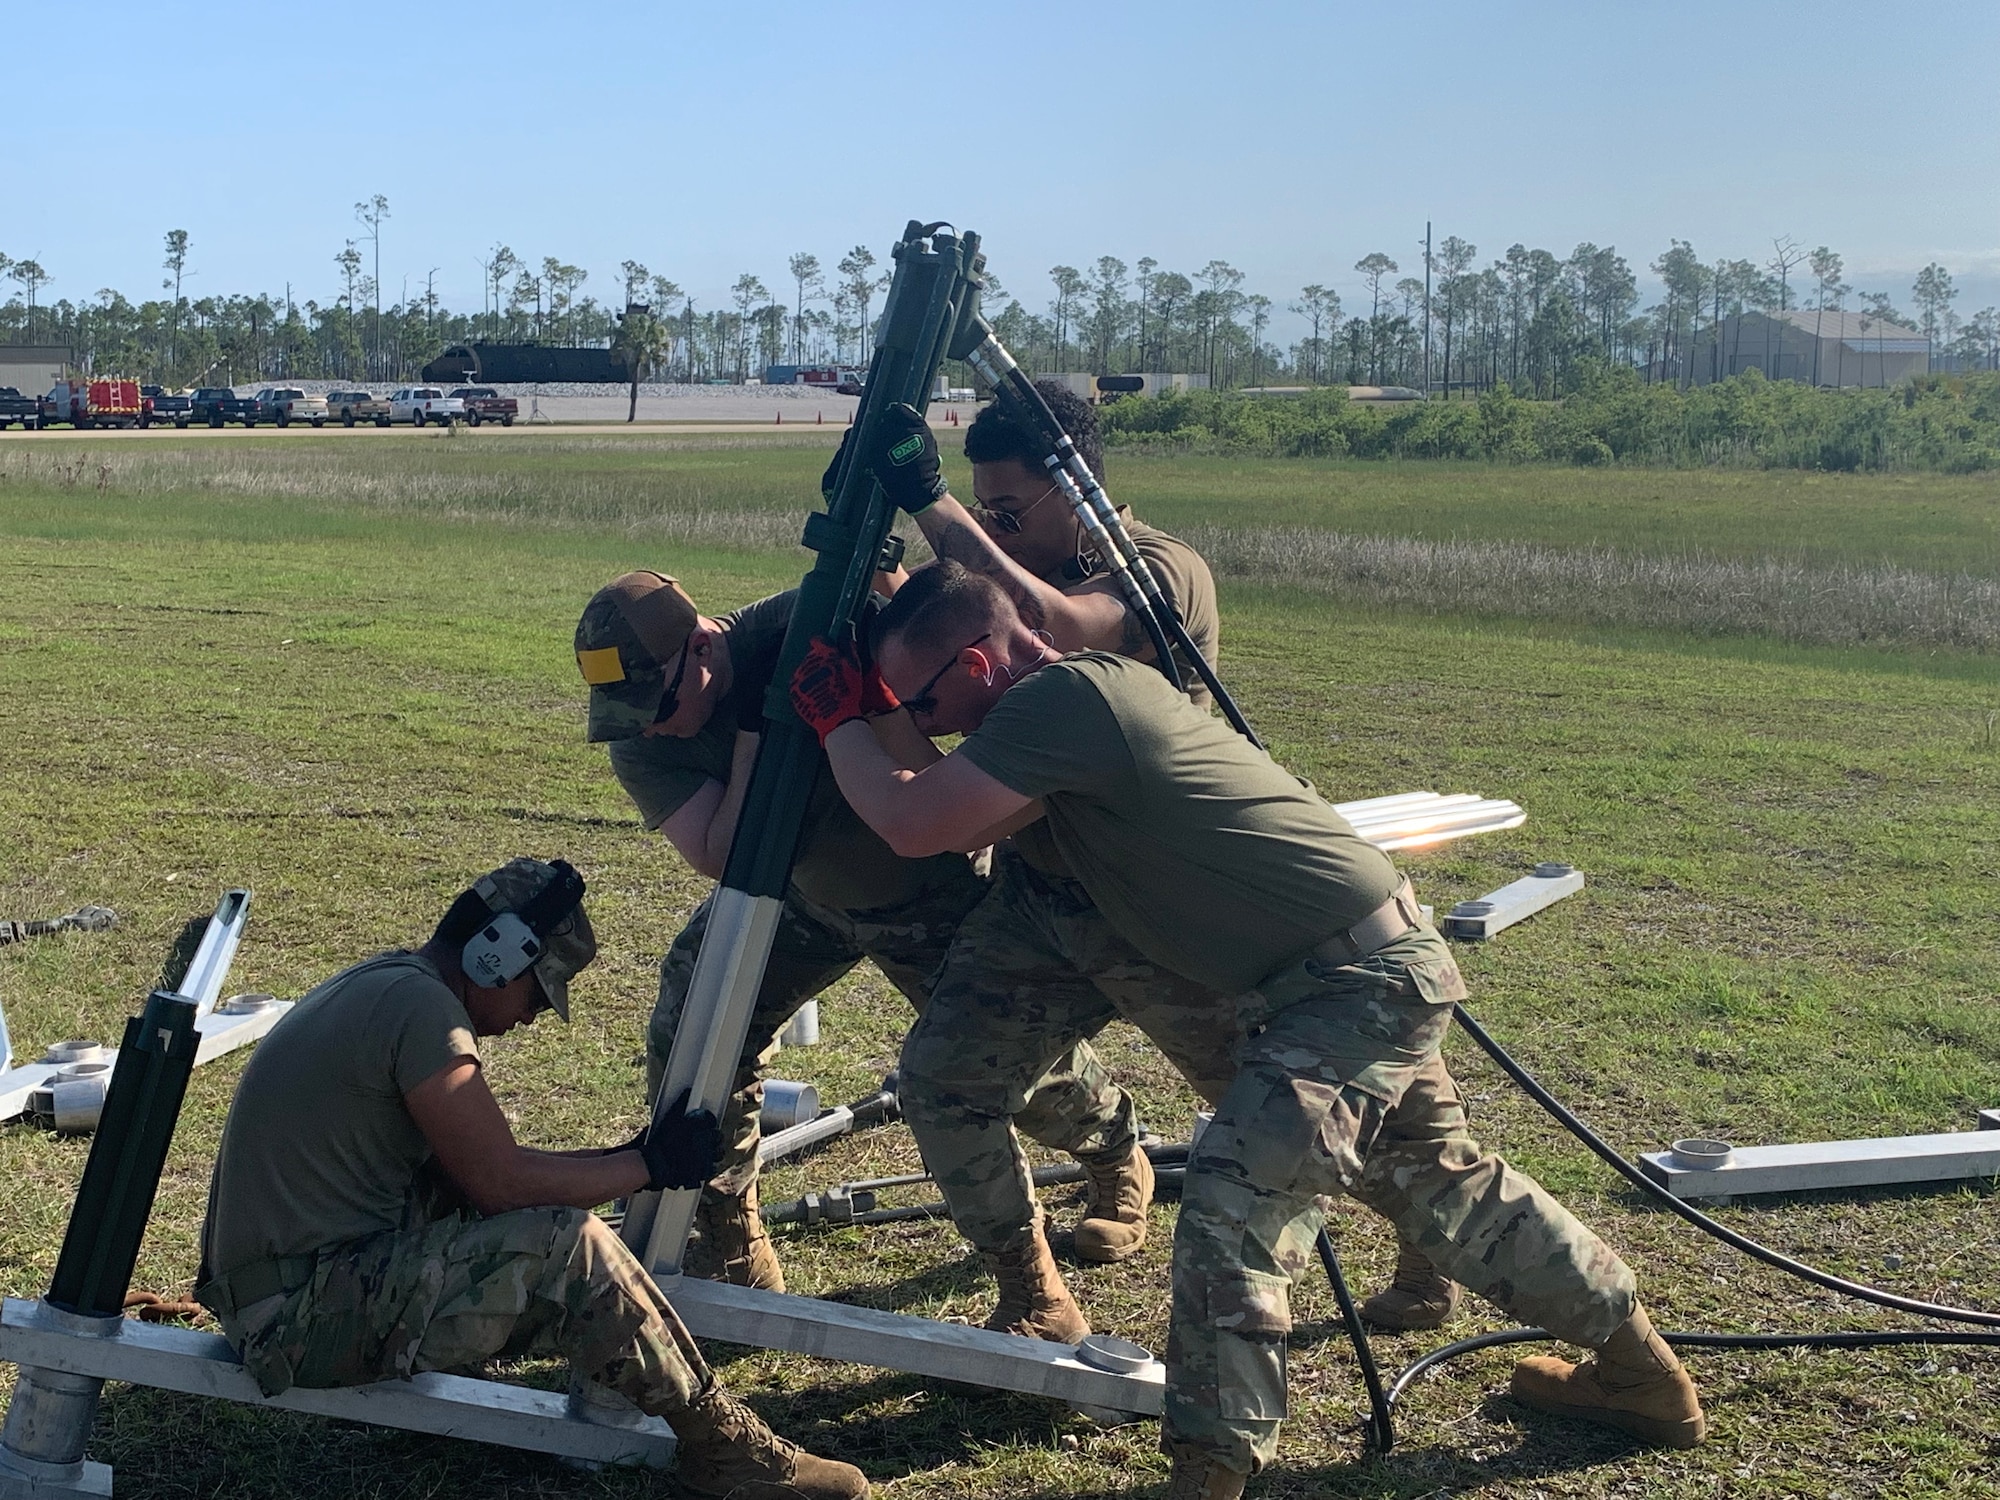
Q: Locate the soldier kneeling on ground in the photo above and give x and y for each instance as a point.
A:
(371, 1215)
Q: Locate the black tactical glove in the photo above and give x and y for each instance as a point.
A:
(905, 459)
(680, 1148)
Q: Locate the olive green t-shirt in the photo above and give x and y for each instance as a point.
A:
(1212, 859)
(319, 1146)
(1184, 578)
(842, 862)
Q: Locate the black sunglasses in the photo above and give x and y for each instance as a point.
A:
(670, 704)
(924, 701)
(1008, 522)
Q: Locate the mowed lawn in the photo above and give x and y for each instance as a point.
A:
(343, 678)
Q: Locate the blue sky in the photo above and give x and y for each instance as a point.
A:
(1287, 138)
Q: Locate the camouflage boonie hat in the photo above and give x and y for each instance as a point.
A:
(630, 630)
(571, 946)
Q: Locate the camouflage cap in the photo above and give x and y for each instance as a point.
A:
(630, 630)
(571, 945)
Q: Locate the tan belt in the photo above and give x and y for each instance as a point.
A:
(1374, 932)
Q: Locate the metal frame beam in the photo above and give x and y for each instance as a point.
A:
(221, 1030)
(917, 1346)
(1818, 1165)
(1516, 901)
(203, 1364)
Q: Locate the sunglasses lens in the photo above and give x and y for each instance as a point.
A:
(1000, 520)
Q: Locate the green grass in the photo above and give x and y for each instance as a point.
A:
(1930, 522)
(346, 683)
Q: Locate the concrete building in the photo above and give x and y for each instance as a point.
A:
(1829, 348)
(32, 368)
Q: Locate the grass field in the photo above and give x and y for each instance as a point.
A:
(340, 675)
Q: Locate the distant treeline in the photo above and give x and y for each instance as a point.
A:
(1941, 423)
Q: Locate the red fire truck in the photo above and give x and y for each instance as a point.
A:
(94, 403)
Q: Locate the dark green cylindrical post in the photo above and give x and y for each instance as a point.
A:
(49, 1417)
(101, 1245)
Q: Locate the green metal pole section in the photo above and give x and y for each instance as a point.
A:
(934, 292)
(101, 1245)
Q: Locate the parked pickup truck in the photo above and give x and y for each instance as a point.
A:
(15, 407)
(484, 404)
(163, 406)
(216, 404)
(285, 405)
(418, 404)
(349, 407)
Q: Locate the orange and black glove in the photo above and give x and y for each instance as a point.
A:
(832, 687)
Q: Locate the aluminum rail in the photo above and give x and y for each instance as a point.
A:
(209, 967)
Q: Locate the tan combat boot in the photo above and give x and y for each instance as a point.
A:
(1034, 1301)
(1120, 1193)
(1418, 1297)
(726, 1450)
(1635, 1384)
(734, 1246)
(1197, 1476)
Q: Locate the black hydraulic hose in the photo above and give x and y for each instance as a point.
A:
(1381, 1426)
(1842, 1339)
(1855, 1289)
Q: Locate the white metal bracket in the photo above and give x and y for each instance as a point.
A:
(917, 1346)
(1816, 1165)
(232, 1025)
(1515, 902)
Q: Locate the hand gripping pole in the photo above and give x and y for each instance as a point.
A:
(935, 290)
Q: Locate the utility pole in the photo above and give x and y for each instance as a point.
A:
(1427, 309)
(371, 214)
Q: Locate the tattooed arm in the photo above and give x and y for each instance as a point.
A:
(1094, 618)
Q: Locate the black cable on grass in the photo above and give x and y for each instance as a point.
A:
(1845, 1339)
(1860, 1291)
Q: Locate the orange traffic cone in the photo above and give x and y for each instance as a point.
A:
(819, 419)
(781, 420)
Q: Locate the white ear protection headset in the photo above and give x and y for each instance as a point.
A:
(507, 946)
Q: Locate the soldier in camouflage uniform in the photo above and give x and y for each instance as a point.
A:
(1043, 932)
(678, 698)
(371, 1216)
(1211, 863)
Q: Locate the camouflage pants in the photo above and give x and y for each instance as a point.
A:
(454, 1293)
(1070, 1105)
(1035, 972)
(1344, 1091)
